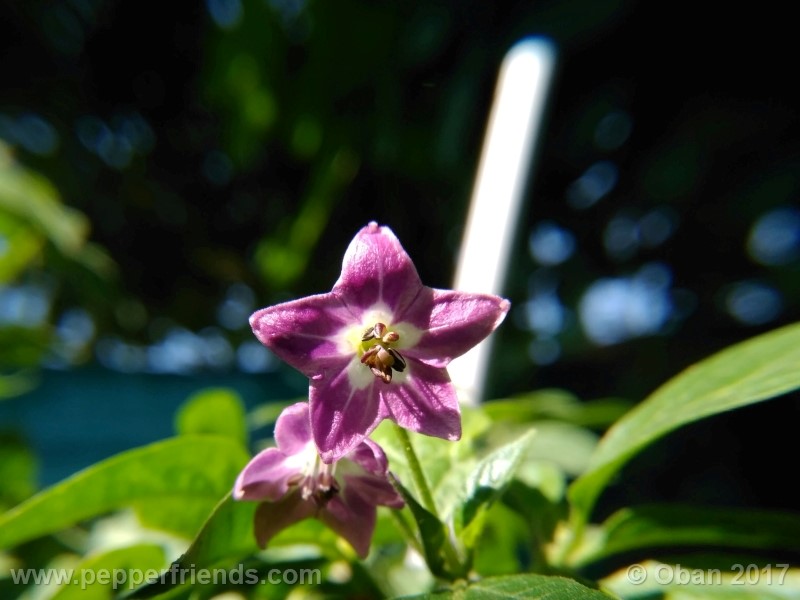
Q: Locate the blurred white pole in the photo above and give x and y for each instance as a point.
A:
(515, 123)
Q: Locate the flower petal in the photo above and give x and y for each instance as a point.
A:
(353, 518)
(422, 399)
(293, 429)
(452, 322)
(341, 414)
(369, 456)
(377, 271)
(303, 332)
(364, 470)
(273, 517)
(376, 490)
(266, 476)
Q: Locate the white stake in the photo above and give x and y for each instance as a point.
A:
(506, 159)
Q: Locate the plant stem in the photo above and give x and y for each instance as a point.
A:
(420, 483)
(452, 558)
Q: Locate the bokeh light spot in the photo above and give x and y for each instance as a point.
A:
(613, 310)
(550, 244)
(775, 237)
(227, 14)
(613, 130)
(597, 181)
(753, 303)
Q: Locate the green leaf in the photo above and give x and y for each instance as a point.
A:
(16, 384)
(529, 587)
(215, 411)
(197, 468)
(18, 468)
(22, 247)
(486, 483)
(104, 576)
(556, 405)
(228, 533)
(446, 464)
(180, 515)
(749, 372)
(32, 199)
(226, 536)
(664, 526)
(267, 414)
(432, 530)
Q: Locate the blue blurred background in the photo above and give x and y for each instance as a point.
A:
(167, 168)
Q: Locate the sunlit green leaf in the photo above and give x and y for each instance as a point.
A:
(266, 414)
(556, 405)
(15, 384)
(22, 246)
(226, 536)
(485, 484)
(446, 464)
(180, 515)
(196, 467)
(30, 198)
(568, 446)
(215, 411)
(755, 370)
(17, 471)
(529, 587)
(105, 576)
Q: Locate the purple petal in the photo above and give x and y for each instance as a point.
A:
(452, 322)
(376, 270)
(376, 490)
(293, 429)
(353, 518)
(370, 457)
(303, 332)
(424, 400)
(273, 517)
(364, 472)
(265, 477)
(341, 415)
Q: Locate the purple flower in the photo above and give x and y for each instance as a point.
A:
(377, 345)
(295, 484)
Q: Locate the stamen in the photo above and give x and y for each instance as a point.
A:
(378, 354)
(327, 486)
(399, 363)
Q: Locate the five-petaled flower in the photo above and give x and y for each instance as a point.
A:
(377, 346)
(294, 484)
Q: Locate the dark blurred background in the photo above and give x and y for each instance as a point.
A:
(167, 168)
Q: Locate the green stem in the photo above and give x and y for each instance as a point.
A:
(420, 483)
(452, 558)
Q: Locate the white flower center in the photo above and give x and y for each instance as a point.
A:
(376, 344)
